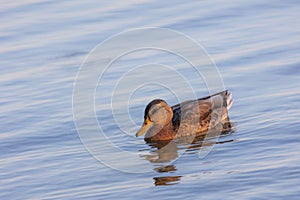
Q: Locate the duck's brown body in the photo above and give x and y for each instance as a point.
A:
(189, 118)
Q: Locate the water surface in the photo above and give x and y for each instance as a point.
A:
(255, 46)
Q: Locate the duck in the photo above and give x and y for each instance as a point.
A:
(189, 118)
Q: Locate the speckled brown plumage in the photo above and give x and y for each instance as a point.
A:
(189, 118)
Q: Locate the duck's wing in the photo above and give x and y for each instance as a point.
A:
(196, 116)
(192, 117)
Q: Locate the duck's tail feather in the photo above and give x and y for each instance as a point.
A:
(221, 99)
(229, 99)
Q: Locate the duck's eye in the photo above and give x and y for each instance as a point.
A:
(147, 121)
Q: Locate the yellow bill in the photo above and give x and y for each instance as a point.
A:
(145, 127)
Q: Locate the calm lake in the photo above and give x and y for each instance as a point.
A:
(48, 152)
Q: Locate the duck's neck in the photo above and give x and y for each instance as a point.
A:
(158, 133)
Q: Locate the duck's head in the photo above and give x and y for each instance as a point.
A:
(157, 114)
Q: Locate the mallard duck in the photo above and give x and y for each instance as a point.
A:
(189, 118)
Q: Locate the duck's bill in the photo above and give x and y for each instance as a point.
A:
(145, 127)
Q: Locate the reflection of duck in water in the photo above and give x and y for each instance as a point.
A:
(166, 180)
(167, 151)
(189, 118)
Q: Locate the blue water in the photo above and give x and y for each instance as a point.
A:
(256, 46)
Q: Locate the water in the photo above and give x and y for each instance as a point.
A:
(256, 48)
